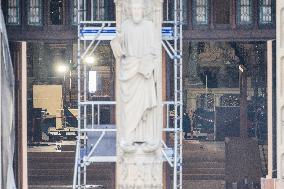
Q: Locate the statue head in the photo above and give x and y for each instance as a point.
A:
(137, 10)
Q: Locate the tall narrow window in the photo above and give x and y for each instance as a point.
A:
(56, 12)
(34, 12)
(200, 12)
(98, 9)
(13, 17)
(185, 11)
(244, 12)
(109, 7)
(168, 10)
(75, 11)
(265, 12)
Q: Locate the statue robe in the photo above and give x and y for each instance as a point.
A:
(138, 96)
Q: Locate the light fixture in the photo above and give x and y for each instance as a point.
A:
(227, 62)
(242, 68)
(62, 68)
(90, 60)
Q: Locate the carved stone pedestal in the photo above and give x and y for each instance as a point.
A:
(140, 170)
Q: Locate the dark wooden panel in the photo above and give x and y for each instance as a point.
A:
(230, 35)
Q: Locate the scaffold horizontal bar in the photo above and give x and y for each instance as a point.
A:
(114, 22)
(97, 22)
(114, 103)
(98, 130)
(114, 130)
(102, 159)
(108, 33)
(97, 103)
(167, 156)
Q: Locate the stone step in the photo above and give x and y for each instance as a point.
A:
(44, 165)
(69, 166)
(51, 157)
(55, 160)
(195, 146)
(67, 180)
(50, 187)
(203, 176)
(204, 184)
(66, 172)
(204, 164)
(187, 170)
(56, 186)
(203, 156)
(51, 154)
(51, 180)
(55, 176)
(105, 186)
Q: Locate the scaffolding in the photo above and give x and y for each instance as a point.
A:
(91, 132)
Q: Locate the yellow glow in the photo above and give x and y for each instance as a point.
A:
(90, 60)
(62, 68)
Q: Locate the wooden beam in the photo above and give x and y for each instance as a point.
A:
(64, 34)
(166, 173)
(19, 59)
(230, 35)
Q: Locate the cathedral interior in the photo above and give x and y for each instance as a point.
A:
(225, 90)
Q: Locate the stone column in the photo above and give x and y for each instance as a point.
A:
(137, 49)
(280, 92)
(277, 183)
(269, 108)
(269, 182)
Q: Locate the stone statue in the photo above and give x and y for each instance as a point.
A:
(136, 48)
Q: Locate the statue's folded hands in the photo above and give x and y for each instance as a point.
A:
(146, 66)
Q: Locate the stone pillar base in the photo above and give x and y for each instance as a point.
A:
(268, 183)
(140, 170)
(271, 183)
